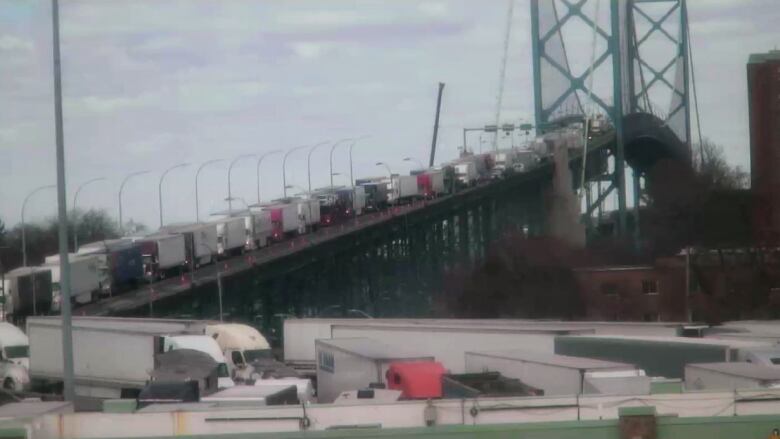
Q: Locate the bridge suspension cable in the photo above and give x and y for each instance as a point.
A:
(502, 69)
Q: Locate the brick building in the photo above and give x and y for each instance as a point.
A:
(763, 75)
(649, 293)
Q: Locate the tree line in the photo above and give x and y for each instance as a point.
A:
(43, 237)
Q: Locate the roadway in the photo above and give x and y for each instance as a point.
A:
(207, 274)
(276, 252)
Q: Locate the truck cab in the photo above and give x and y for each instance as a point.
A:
(241, 345)
(205, 344)
(14, 345)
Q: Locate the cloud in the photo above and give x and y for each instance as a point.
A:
(312, 50)
(109, 104)
(434, 9)
(10, 43)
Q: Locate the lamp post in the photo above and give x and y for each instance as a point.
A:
(159, 186)
(308, 161)
(284, 166)
(333, 148)
(76, 215)
(412, 159)
(24, 227)
(230, 171)
(121, 188)
(352, 145)
(259, 161)
(197, 173)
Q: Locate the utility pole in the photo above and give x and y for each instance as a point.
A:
(436, 125)
(62, 209)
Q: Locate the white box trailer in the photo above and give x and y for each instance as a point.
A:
(112, 356)
(299, 334)
(231, 235)
(450, 343)
(200, 241)
(162, 253)
(85, 277)
(27, 291)
(731, 376)
(258, 229)
(404, 187)
(358, 199)
(560, 374)
(309, 211)
(354, 363)
(466, 172)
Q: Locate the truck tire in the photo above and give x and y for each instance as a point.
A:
(9, 384)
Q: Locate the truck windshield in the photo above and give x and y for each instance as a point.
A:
(257, 354)
(21, 351)
(222, 370)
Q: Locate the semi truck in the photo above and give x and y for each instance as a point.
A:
(84, 278)
(466, 173)
(27, 291)
(404, 189)
(231, 235)
(309, 215)
(121, 263)
(200, 241)
(163, 254)
(376, 192)
(284, 219)
(258, 229)
(113, 357)
(430, 183)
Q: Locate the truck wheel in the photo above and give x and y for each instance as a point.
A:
(9, 384)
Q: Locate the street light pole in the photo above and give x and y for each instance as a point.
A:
(333, 148)
(62, 211)
(284, 166)
(76, 215)
(24, 227)
(352, 145)
(159, 186)
(197, 173)
(259, 161)
(230, 171)
(308, 161)
(121, 188)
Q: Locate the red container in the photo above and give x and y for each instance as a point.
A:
(416, 380)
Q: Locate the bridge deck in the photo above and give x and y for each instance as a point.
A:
(283, 256)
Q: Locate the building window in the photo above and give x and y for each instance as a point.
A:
(609, 289)
(649, 286)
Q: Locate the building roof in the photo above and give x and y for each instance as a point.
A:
(580, 363)
(679, 340)
(740, 369)
(758, 58)
(369, 348)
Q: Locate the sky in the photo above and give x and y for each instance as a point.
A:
(149, 84)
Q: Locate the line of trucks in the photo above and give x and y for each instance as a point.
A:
(110, 267)
(120, 357)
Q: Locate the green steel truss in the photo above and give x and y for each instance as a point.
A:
(633, 81)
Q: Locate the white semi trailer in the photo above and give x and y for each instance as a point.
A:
(438, 335)
(113, 357)
(85, 277)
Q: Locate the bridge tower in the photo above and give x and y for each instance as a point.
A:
(643, 68)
